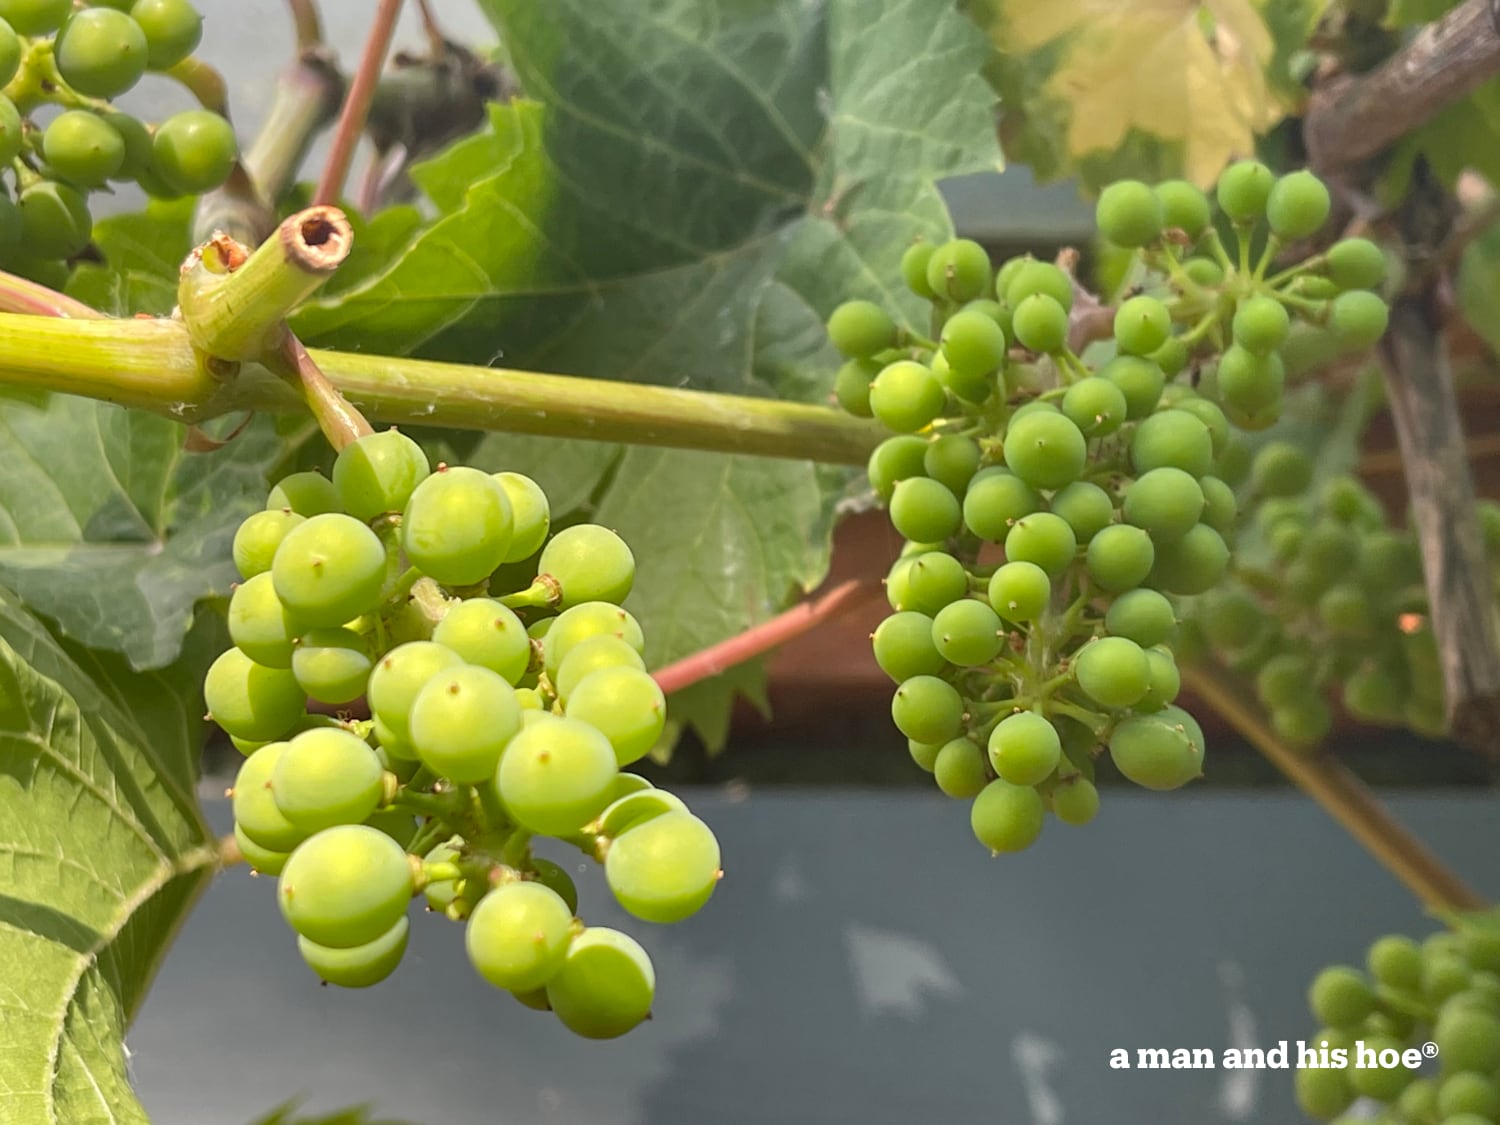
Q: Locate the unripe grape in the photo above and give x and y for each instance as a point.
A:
(361, 966)
(973, 343)
(1031, 277)
(664, 869)
(1112, 671)
(1143, 616)
(1193, 564)
(1355, 263)
(102, 53)
(517, 935)
(345, 886)
(906, 396)
(995, 499)
(1044, 539)
(1172, 438)
(928, 709)
(1120, 557)
(626, 705)
(1159, 751)
(193, 151)
(1041, 324)
(1261, 324)
(605, 986)
(1204, 271)
(851, 387)
(137, 141)
(1340, 997)
(10, 53)
(967, 633)
(587, 657)
(925, 511)
(256, 540)
(256, 815)
(1281, 469)
(1006, 817)
(1140, 380)
(1171, 357)
(173, 29)
(934, 580)
(1243, 190)
(332, 664)
(952, 460)
(329, 570)
(1183, 206)
(1075, 801)
(1129, 214)
(894, 460)
(1212, 416)
(307, 494)
(959, 270)
(859, 329)
(377, 473)
(55, 219)
(1297, 206)
(914, 264)
(1025, 748)
(557, 776)
(259, 625)
(1085, 507)
(958, 769)
(1142, 324)
(81, 147)
(35, 17)
(1096, 406)
(461, 722)
(1248, 381)
(325, 777)
(1220, 508)
(1020, 591)
(1045, 449)
(249, 700)
(1358, 318)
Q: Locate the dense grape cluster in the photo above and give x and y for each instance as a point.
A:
(71, 62)
(1054, 507)
(506, 690)
(1445, 991)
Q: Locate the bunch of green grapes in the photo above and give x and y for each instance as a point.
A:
(1329, 598)
(1444, 991)
(506, 692)
(76, 59)
(1054, 506)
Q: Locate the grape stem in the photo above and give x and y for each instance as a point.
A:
(204, 82)
(357, 102)
(306, 22)
(709, 662)
(1342, 795)
(17, 295)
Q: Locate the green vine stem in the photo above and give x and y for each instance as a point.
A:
(235, 307)
(1342, 795)
(152, 365)
(17, 295)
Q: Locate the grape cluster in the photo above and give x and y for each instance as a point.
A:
(1055, 507)
(1445, 990)
(506, 690)
(75, 60)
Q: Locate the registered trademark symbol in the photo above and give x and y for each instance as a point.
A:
(1429, 1050)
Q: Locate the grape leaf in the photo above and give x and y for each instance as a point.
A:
(142, 254)
(105, 851)
(110, 528)
(1479, 285)
(1107, 88)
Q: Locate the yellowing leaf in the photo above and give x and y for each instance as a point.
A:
(1181, 71)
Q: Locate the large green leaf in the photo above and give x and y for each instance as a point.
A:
(104, 851)
(142, 253)
(110, 528)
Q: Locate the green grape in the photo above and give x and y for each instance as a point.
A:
(517, 935)
(1358, 318)
(973, 343)
(258, 623)
(1220, 508)
(1204, 271)
(934, 580)
(173, 30)
(1346, 611)
(1112, 671)
(1355, 263)
(327, 776)
(959, 770)
(55, 221)
(1096, 406)
(1445, 973)
(1085, 506)
(399, 676)
(1175, 439)
(1041, 324)
(1284, 679)
(1006, 817)
(1166, 502)
(137, 140)
(893, 461)
(1032, 278)
(1243, 190)
(1372, 694)
(996, 499)
(1045, 449)
(928, 709)
(1163, 682)
(914, 263)
(12, 227)
(1119, 558)
(462, 720)
(1231, 619)
(256, 540)
(332, 664)
(249, 700)
(925, 511)
(1193, 564)
(194, 151)
(626, 705)
(1376, 1082)
(550, 875)
(1045, 539)
(1171, 357)
(1323, 1092)
(1468, 1093)
(1183, 206)
(35, 17)
(952, 460)
(906, 396)
(591, 656)
(923, 754)
(377, 473)
(1468, 1038)
(1297, 206)
(361, 966)
(256, 815)
(1142, 616)
(859, 329)
(1261, 325)
(1418, 1102)
(1140, 380)
(588, 619)
(83, 148)
(665, 869)
(605, 986)
(307, 494)
(1024, 748)
(264, 861)
(973, 387)
(1211, 416)
(967, 633)
(1349, 501)
(1020, 592)
(851, 387)
(1142, 324)
(457, 528)
(1341, 997)
(345, 886)
(557, 776)
(1075, 801)
(1281, 469)
(329, 570)
(488, 634)
(1159, 751)
(1129, 214)
(102, 53)
(959, 270)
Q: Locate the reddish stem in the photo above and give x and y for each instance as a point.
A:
(842, 599)
(357, 102)
(17, 295)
